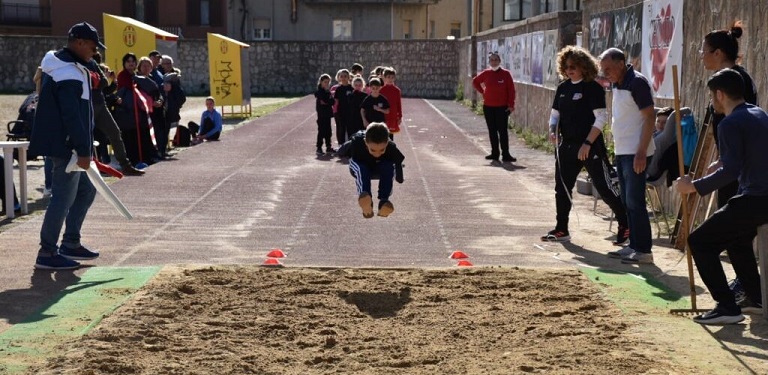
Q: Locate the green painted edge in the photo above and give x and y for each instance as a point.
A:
(635, 291)
(70, 314)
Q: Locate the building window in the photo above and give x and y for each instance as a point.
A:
(456, 29)
(431, 29)
(342, 29)
(205, 13)
(551, 6)
(262, 29)
(407, 29)
(515, 10)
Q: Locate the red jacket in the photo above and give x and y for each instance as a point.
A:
(392, 93)
(499, 88)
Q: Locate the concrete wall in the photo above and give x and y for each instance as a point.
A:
(533, 103)
(426, 68)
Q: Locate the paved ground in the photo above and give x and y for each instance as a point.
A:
(262, 187)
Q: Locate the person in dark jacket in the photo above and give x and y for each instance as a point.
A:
(174, 99)
(372, 153)
(324, 108)
(63, 127)
(720, 50)
(498, 89)
(742, 136)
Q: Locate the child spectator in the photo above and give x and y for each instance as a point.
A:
(375, 106)
(343, 96)
(324, 107)
(211, 123)
(358, 96)
(371, 152)
(356, 70)
(395, 116)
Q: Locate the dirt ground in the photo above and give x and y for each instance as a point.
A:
(356, 321)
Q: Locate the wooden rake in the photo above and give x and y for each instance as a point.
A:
(685, 224)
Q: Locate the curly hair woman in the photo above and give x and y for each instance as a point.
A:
(575, 127)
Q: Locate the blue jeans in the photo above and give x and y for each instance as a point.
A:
(48, 171)
(71, 198)
(632, 186)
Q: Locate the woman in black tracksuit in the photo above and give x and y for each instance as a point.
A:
(576, 122)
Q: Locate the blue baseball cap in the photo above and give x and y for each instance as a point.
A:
(85, 31)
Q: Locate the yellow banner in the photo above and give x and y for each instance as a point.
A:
(226, 73)
(123, 35)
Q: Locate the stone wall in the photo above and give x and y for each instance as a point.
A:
(426, 68)
(533, 103)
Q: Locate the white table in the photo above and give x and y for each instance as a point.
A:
(8, 148)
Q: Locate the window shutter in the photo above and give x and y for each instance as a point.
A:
(193, 12)
(216, 13)
(128, 8)
(151, 12)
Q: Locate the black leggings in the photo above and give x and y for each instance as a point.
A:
(497, 120)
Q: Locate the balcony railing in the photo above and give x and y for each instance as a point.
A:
(25, 15)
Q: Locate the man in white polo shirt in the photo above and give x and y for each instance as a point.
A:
(633, 122)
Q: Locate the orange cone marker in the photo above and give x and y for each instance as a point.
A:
(276, 253)
(272, 262)
(464, 263)
(458, 255)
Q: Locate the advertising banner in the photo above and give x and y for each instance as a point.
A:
(663, 37)
(228, 69)
(124, 34)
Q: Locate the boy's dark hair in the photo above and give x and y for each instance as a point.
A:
(376, 132)
(378, 70)
(374, 82)
(357, 67)
(154, 53)
(389, 71)
(729, 82)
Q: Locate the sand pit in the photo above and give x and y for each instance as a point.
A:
(239, 320)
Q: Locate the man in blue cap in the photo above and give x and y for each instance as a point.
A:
(63, 126)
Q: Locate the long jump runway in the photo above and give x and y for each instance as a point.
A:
(263, 187)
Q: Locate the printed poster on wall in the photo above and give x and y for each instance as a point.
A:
(527, 58)
(507, 58)
(549, 69)
(537, 55)
(517, 58)
(627, 33)
(482, 56)
(620, 28)
(663, 34)
(600, 27)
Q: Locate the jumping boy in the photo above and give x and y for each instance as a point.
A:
(371, 152)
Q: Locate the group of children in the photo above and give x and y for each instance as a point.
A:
(366, 119)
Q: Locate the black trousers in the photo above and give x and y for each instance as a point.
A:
(341, 129)
(323, 131)
(567, 171)
(162, 130)
(742, 245)
(497, 120)
(736, 222)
